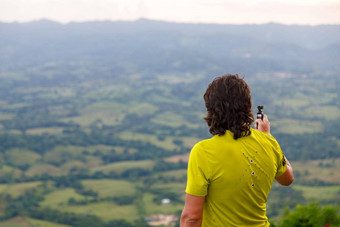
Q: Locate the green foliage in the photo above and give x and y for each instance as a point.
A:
(22, 204)
(311, 215)
(124, 200)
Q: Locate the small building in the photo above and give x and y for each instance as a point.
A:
(165, 201)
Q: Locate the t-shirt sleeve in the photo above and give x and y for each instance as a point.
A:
(282, 165)
(197, 182)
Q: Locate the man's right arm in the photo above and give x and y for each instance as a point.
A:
(288, 177)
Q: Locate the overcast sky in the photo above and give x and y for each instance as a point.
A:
(306, 12)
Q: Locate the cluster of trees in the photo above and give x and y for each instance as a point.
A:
(21, 206)
(312, 215)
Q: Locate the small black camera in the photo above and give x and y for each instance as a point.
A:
(259, 112)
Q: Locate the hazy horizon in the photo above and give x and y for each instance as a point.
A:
(289, 12)
(162, 21)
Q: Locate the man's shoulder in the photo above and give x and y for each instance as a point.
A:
(216, 139)
(262, 135)
(205, 144)
(266, 138)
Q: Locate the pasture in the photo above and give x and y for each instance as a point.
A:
(110, 188)
(60, 197)
(20, 157)
(167, 143)
(39, 169)
(119, 167)
(105, 210)
(328, 194)
(291, 126)
(327, 170)
(17, 189)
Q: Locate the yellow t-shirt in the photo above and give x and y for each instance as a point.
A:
(235, 176)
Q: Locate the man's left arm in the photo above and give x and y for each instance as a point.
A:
(193, 211)
(288, 177)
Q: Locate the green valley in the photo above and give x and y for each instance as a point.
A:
(96, 125)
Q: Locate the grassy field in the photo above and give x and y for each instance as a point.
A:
(167, 143)
(73, 164)
(40, 223)
(50, 130)
(294, 102)
(107, 90)
(60, 197)
(5, 116)
(173, 120)
(327, 170)
(291, 126)
(105, 210)
(63, 153)
(4, 170)
(108, 113)
(327, 112)
(110, 188)
(120, 167)
(142, 109)
(20, 157)
(17, 189)
(39, 169)
(92, 162)
(320, 193)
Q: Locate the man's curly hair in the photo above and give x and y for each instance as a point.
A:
(228, 103)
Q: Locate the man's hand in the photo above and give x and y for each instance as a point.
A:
(263, 125)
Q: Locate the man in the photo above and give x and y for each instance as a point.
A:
(231, 174)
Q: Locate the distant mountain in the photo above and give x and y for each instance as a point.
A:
(154, 46)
